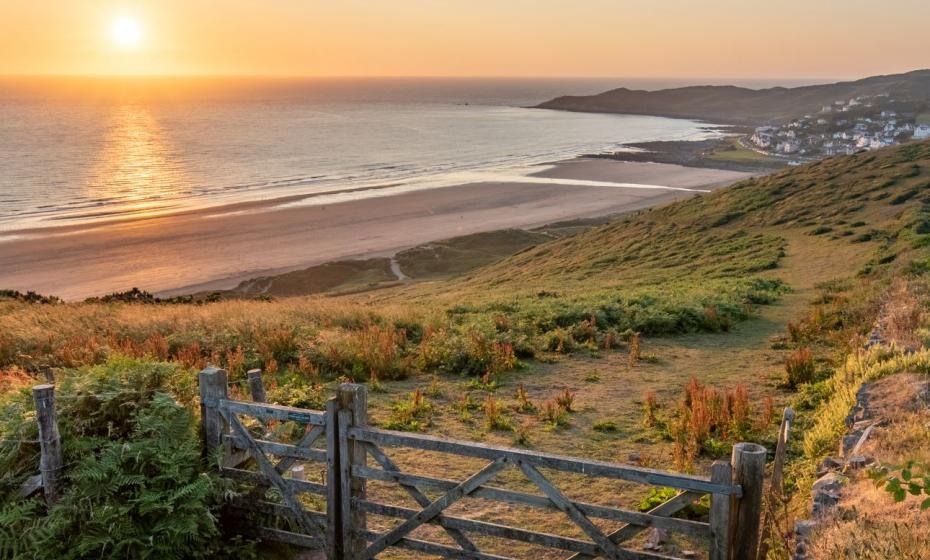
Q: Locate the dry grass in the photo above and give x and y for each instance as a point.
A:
(873, 527)
(869, 524)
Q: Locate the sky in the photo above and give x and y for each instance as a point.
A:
(793, 39)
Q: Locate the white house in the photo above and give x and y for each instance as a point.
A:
(764, 136)
(922, 131)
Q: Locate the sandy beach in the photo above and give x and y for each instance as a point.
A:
(217, 248)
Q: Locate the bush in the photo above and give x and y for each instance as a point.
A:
(709, 418)
(411, 415)
(134, 483)
(605, 426)
(799, 368)
(359, 353)
(469, 353)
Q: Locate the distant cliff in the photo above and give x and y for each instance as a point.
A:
(737, 105)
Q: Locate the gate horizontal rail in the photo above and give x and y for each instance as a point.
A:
(351, 444)
(545, 460)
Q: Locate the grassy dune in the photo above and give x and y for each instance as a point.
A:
(721, 287)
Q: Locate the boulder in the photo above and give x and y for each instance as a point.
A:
(826, 492)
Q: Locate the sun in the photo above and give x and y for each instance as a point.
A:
(126, 31)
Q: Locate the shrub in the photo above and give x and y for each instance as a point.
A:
(605, 426)
(554, 415)
(559, 341)
(634, 349)
(656, 497)
(521, 434)
(585, 332)
(411, 415)
(799, 368)
(277, 343)
(707, 419)
(483, 383)
(465, 407)
(565, 399)
(470, 353)
(524, 404)
(494, 415)
(650, 406)
(134, 484)
(358, 353)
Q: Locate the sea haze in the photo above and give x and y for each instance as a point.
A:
(89, 149)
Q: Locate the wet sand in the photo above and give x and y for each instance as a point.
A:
(219, 247)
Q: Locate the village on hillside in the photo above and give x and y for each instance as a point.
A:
(844, 128)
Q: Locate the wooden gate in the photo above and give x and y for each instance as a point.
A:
(342, 526)
(238, 436)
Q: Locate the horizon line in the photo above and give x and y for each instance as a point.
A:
(426, 76)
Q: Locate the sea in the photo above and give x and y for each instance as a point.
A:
(76, 150)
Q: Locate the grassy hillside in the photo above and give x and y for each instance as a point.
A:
(536, 349)
(729, 104)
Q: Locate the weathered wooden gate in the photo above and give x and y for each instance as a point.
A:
(342, 526)
(234, 433)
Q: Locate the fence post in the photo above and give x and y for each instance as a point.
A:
(781, 449)
(720, 473)
(353, 411)
(256, 387)
(333, 478)
(50, 463)
(213, 388)
(749, 472)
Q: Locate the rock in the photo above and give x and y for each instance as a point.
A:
(635, 458)
(655, 539)
(826, 492)
(860, 462)
(827, 465)
(830, 482)
(688, 554)
(803, 529)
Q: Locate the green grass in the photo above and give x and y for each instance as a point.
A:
(733, 151)
(923, 118)
(449, 257)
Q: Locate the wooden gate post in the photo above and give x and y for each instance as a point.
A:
(721, 472)
(353, 411)
(781, 450)
(213, 388)
(256, 387)
(50, 463)
(333, 476)
(749, 472)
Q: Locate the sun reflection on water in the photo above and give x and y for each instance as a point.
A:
(136, 166)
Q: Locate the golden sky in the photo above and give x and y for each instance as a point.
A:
(644, 38)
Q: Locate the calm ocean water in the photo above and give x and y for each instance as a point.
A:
(76, 151)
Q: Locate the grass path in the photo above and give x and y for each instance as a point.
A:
(608, 389)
